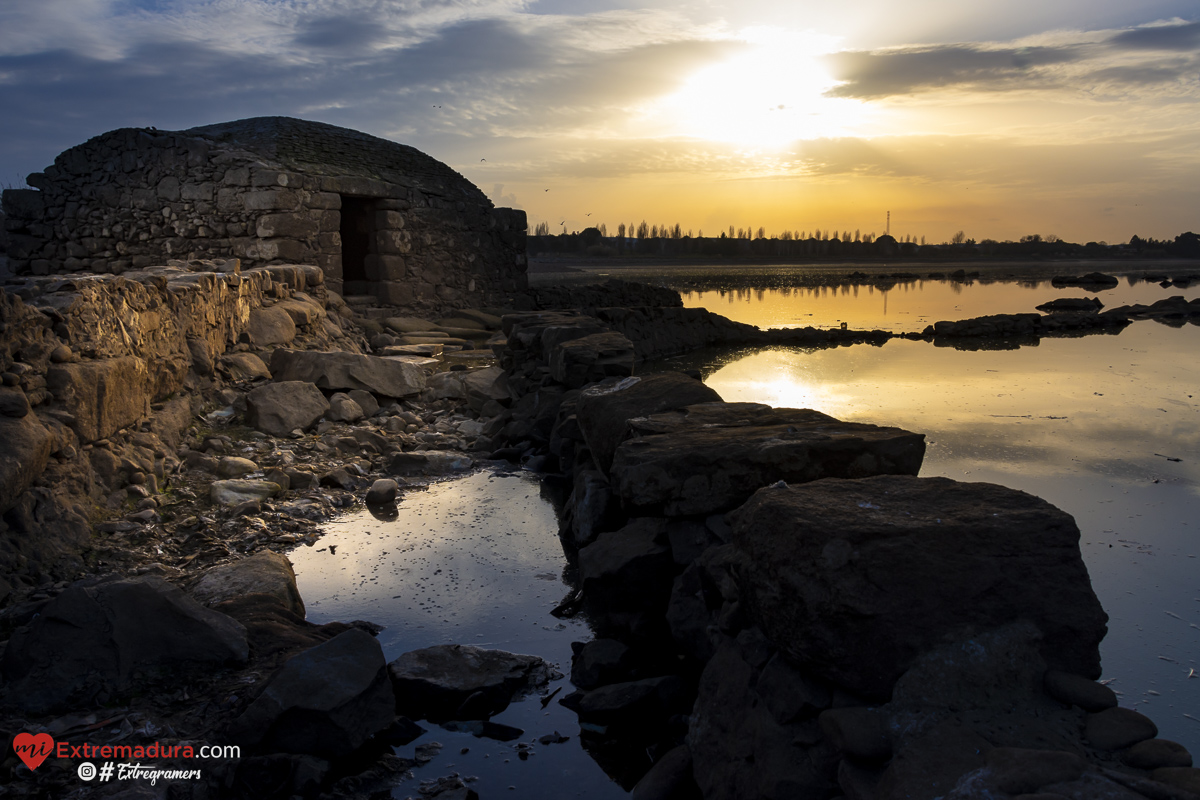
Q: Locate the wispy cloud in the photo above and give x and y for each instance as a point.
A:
(1173, 36)
(902, 71)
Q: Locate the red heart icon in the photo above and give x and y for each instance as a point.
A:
(33, 750)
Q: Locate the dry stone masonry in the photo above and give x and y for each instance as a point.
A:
(379, 218)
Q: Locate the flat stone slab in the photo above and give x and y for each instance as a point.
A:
(386, 377)
(458, 681)
(712, 459)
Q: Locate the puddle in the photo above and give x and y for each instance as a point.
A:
(473, 560)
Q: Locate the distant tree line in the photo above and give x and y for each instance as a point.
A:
(672, 241)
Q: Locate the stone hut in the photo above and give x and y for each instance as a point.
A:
(381, 219)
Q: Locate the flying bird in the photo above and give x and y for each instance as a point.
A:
(547, 190)
(482, 160)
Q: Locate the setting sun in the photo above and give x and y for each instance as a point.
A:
(769, 95)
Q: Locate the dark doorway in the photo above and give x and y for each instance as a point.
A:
(358, 224)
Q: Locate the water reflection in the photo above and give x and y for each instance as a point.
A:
(475, 560)
(906, 306)
(1090, 424)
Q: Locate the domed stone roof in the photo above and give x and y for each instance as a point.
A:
(318, 148)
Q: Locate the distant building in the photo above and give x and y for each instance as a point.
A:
(379, 218)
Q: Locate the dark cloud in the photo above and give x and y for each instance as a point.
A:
(1159, 37)
(339, 33)
(1145, 74)
(884, 73)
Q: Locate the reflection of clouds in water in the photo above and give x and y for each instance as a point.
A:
(457, 560)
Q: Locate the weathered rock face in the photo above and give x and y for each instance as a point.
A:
(102, 396)
(265, 572)
(386, 377)
(604, 411)
(741, 750)
(27, 446)
(700, 465)
(92, 638)
(280, 408)
(457, 681)
(854, 579)
(592, 358)
(326, 701)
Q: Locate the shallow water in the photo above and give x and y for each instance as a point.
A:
(472, 560)
(907, 306)
(1089, 424)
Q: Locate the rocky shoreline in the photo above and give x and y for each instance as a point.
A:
(784, 609)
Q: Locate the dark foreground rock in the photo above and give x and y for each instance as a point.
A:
(87, 644)
(326, 701)
(1092, 280)
(457, 681)
(854, 579)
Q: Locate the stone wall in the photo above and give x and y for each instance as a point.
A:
(270, 191)
(99, 376)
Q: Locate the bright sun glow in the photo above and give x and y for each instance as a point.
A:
(768, 96)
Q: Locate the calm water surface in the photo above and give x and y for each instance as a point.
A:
(906, 306)
(473, 560)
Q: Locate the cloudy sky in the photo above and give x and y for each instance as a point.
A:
(1078, 118)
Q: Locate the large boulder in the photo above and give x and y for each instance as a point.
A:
(326, 701)
(386, 377)
(604, 410)
(458, 681)
(706, 459)
(27, 446)
(271, 325)
(265, 572)
(280, 408)
(855, 579)
(103, 638)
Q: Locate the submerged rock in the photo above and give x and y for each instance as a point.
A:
(457, 681)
